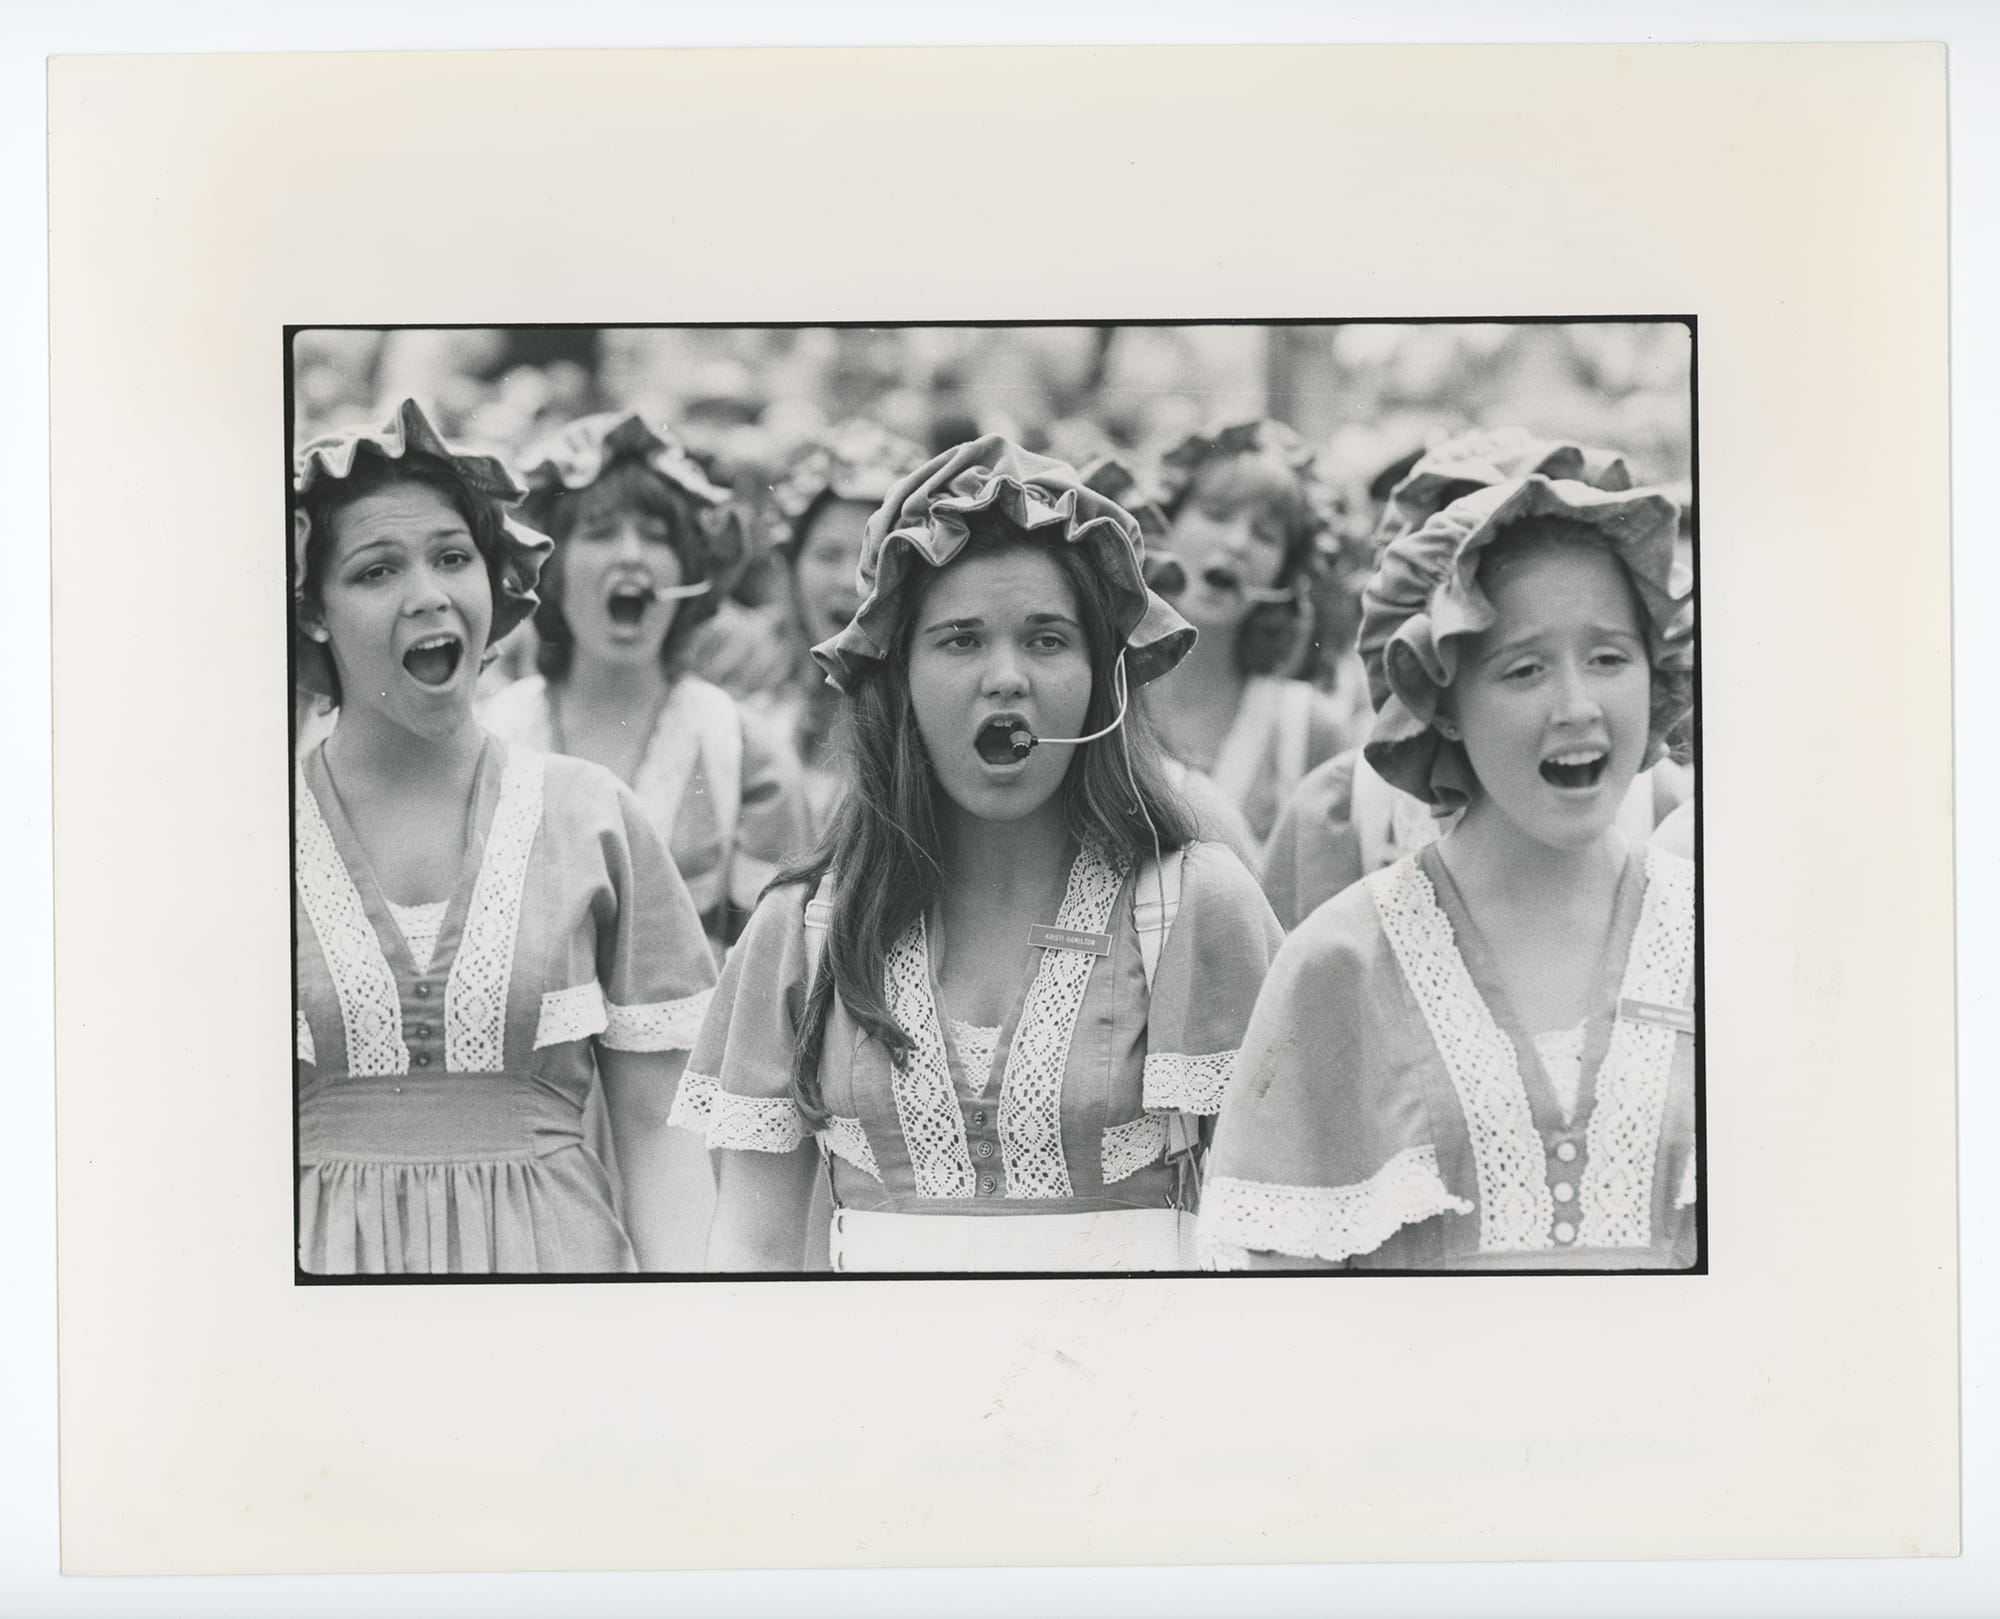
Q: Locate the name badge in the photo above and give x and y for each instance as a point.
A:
(1091, 944)
(1678, 1018)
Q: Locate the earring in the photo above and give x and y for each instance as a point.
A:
(319, 632)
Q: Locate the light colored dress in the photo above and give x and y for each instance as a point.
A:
(442, 1080)
(721, 786)
(1390, 1111)
(1088, 1081)
(1282, 729)
(1344, 821)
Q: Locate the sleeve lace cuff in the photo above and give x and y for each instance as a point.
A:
(1189, 1084)
(1130, 1147)
(1321, 1222)
(845, 1139)
(738, 1123)
(661, 1026)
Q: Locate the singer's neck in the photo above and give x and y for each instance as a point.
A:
(602, 686)
(1004, 862)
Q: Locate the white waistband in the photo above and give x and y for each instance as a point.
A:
(1109, 1239)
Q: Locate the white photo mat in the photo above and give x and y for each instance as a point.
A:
(1798, 1400)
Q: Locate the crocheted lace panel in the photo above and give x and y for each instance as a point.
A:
(371, 1010)
(657, 1025)
(1130, 1147)
(1622, 1139)
(1516, 1209)
(1239, 1217)
(974, 1046)
(575, 1013)
(844, 1138)
(739, 1123)
(420, 925)
(1031, 1088)
(475, 993)
(926, 1108)
(1622, 1136)
(1191, 1084)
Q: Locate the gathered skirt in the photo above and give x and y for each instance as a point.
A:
(404, 1174)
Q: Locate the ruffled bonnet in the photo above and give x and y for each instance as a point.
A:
(857, 460)
(577, 455)
(1486, 456)
(408, 435)
(1424, 598)
(1263, 436)
(926, 519)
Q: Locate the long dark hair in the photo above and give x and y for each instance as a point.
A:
(374, 472)
(883, 846)
(626, 486)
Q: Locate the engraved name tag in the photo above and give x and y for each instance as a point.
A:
(1678, 1018)
(1047, 938)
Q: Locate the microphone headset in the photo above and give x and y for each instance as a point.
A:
(1024, 741)
(674, 593)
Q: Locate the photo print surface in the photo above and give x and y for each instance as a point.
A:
(995, 800)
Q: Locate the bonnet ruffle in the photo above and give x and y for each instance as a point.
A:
(857, 460)
(576, 456)
(1486, 456)
(1425, 598)
(406, 435)
(926, 519)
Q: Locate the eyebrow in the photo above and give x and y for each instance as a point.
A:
(980, 623)
(454, 531)
(1595, 631)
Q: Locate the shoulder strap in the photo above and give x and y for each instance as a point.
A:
(819, 917)
(1156, 901)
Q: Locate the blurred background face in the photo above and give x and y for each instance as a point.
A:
(1230, 534)
(998, 642)
(829, 556)
(1554, 699)
(612, 563)
(406, 607)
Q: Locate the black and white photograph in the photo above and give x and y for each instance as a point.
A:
(986, 800)
(950, 727)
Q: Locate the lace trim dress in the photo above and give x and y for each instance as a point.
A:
(443, 1065)
(720, 783)
(1396, 1115)
(1071, 1113)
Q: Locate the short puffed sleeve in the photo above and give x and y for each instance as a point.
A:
(1211, 967)
(654, 964)
(773, 825)
(1325, 1149)
(1314, 851)
(737, 1091)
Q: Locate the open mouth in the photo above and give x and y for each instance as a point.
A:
(627, 604)
(434, 660)
(1004, 740)
(1580, 767)
(1217, 576)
